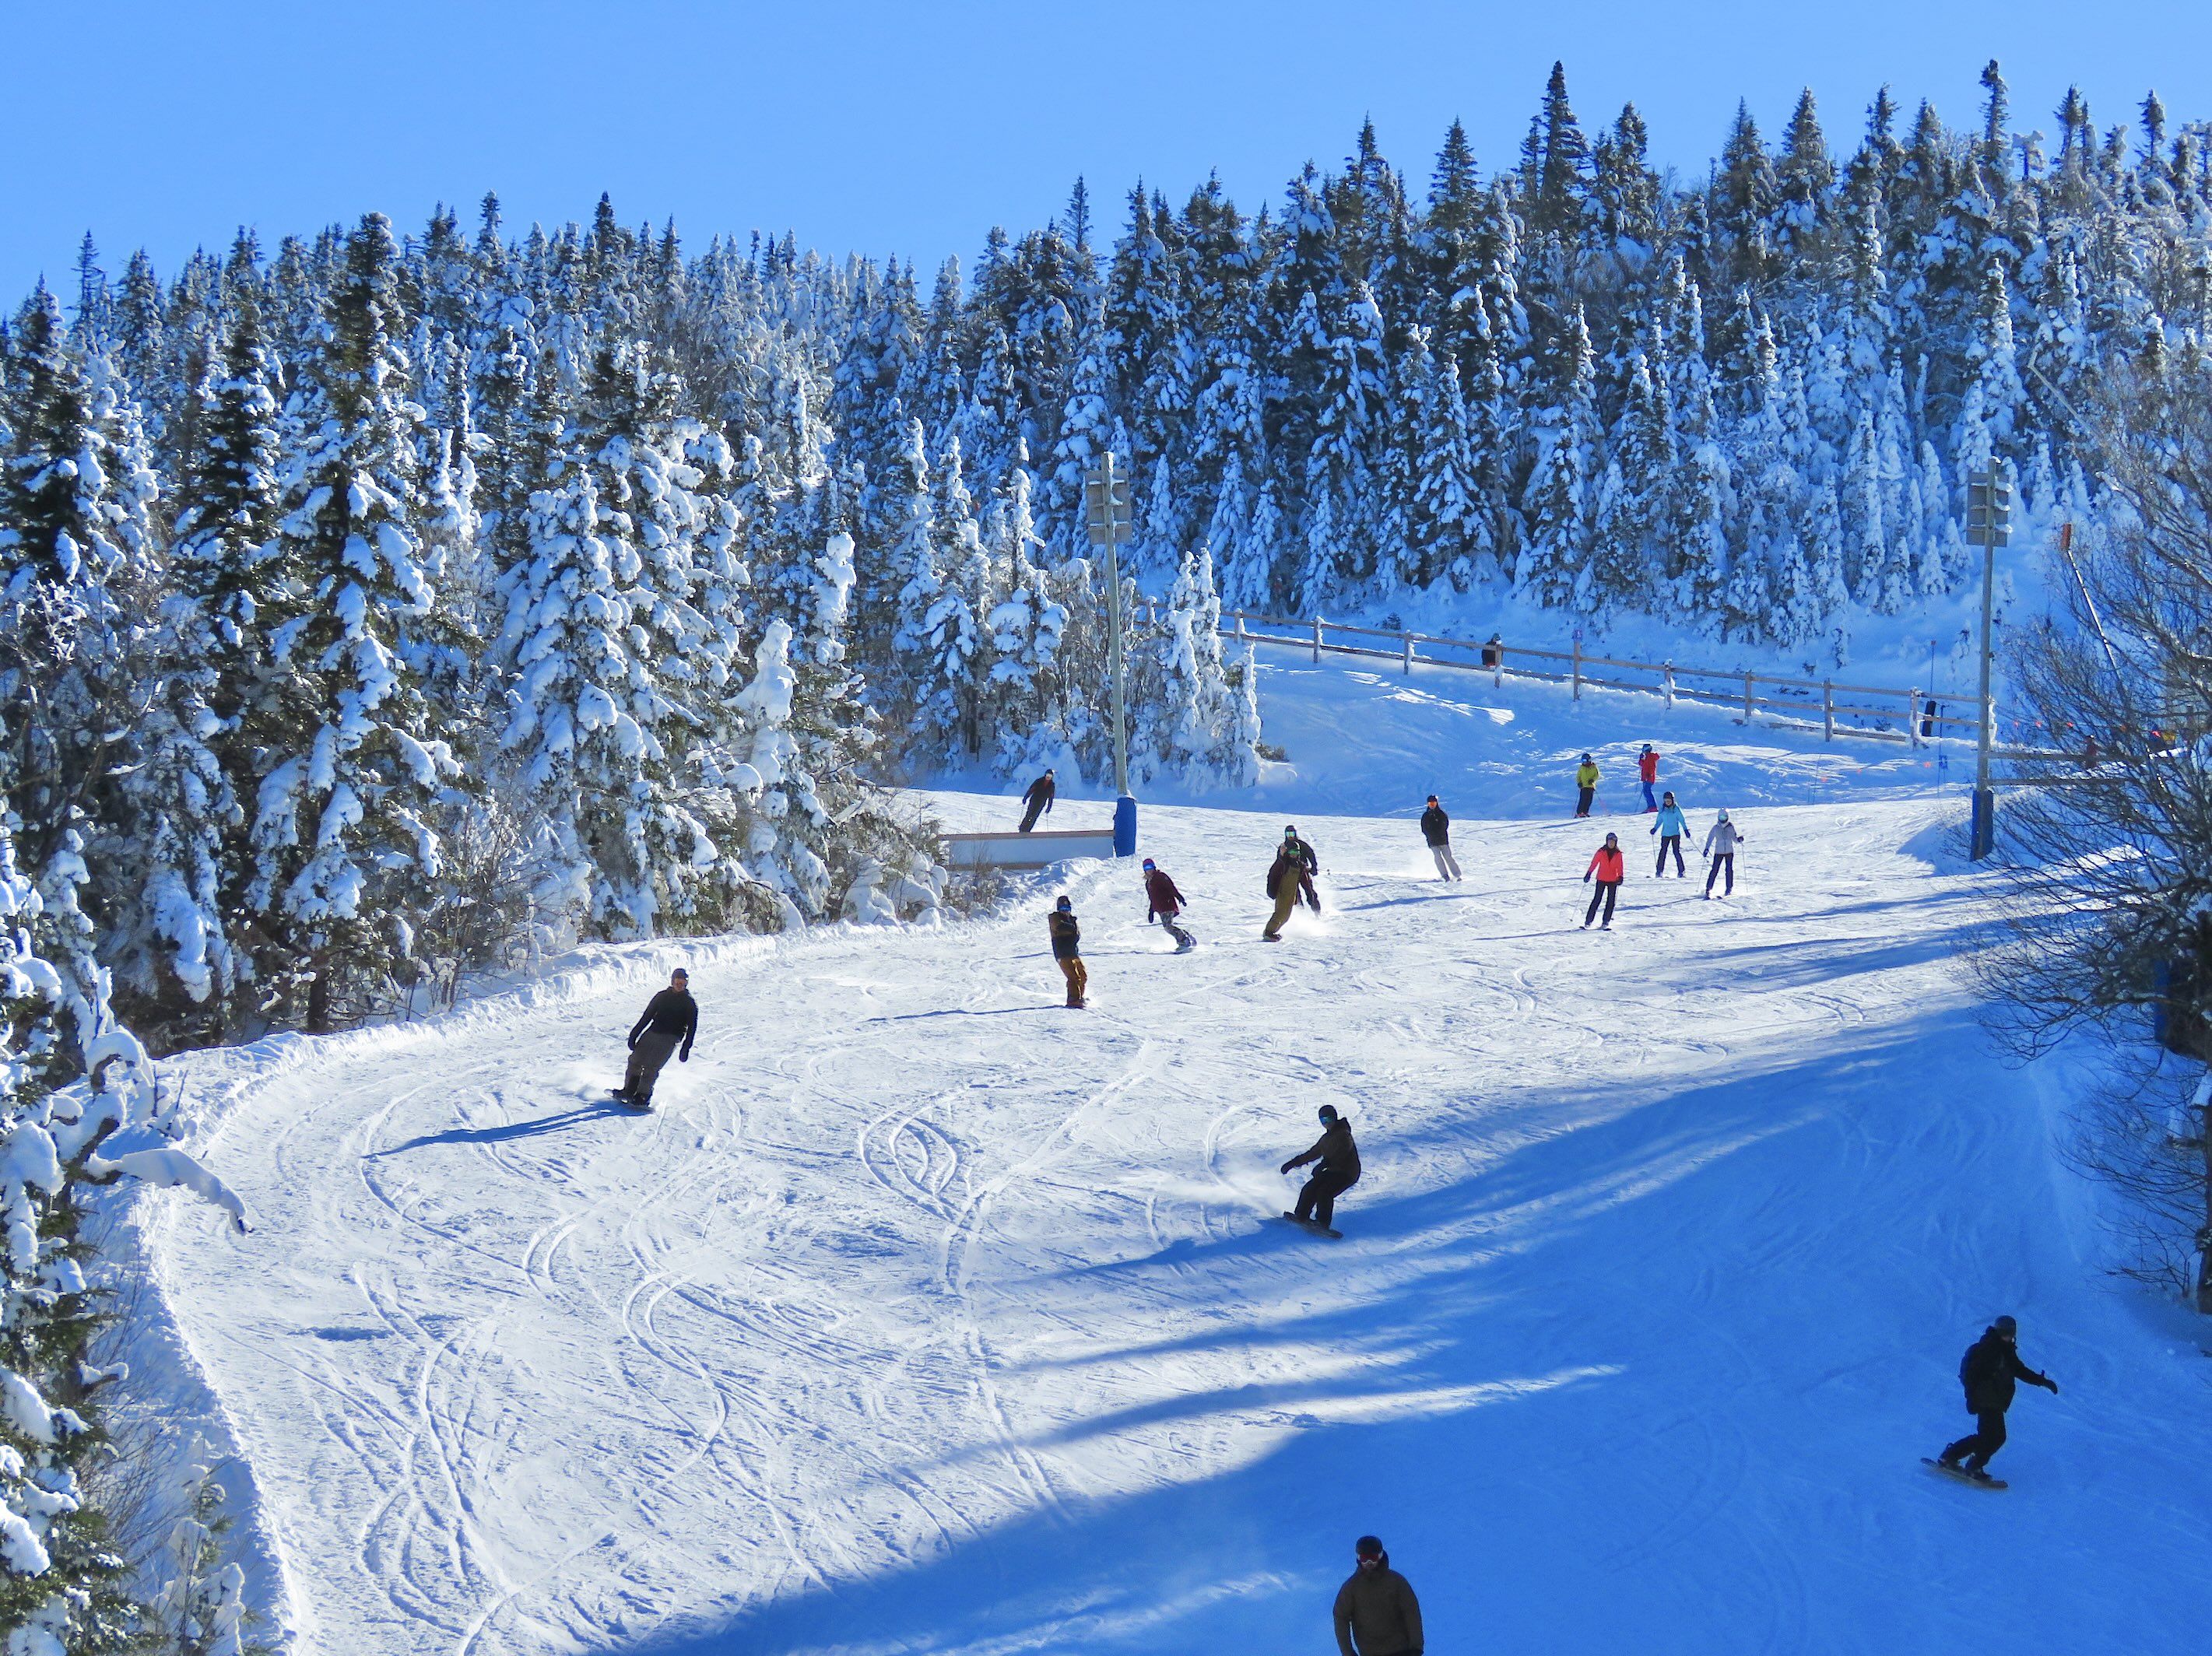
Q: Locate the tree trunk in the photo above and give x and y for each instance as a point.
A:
(319, 1000)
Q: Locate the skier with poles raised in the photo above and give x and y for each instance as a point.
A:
(1720, 842)
(1435, 828)
(1585, 785)
(1669, 827)
(1987, 1373)
(1606, 866)
(1163, 902)
(1338, 1172)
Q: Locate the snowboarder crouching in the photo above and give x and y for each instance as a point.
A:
(1162, 903)
(1067, 950)
(1435, 828)
(1338, 1172)
(1376, 1614)
(1605, 864)
(1037, 797)
(1988, 1372)
(671, 1020)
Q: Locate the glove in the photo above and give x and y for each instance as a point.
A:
(1152, 916)
(2053, 1384)
(1586, 879)
(1286, 1168)
(683, 1058)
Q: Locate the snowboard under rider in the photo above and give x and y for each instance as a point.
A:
(1037, 797)
(1163, 902)
(671, 1020)
(1585, 785)
(1435, 828)
(1338, 1172)
(1605, 865)
(1067, 950)
(1376, 1614)
(1720, 842)
(1988, 1372)
(1669, 827)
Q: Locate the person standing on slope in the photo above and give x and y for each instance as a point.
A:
(1435, 828)
(1670, 827)
(1376, 1614)
(1607, 866)
(1338, 1172)
(1720, 842)
(1991, 1366)
(1283, 875)
(1308, 865)
(1038, 798)
(1163, 902)
(671, 1020)
(1647, 767)
(1067, 950)
(1585, 785)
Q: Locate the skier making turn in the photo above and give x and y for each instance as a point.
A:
(1037, 797)
(1606, 866)
(1988, 1371)
(670, 1019)
(1435, 828)
(1163, 902)
(1669, 828)
(1338, 1172)
(1720, 842)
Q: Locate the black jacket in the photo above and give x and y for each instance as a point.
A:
(1335, 1152)
(1067, 935)
(1039, 792)
(1989, 1370)
(671, 1012)
(1376, 1614)
(1435, 827)
(1309, 859)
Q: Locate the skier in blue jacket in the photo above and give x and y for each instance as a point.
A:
(1670, 825)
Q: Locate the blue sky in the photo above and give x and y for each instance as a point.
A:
(913, 128)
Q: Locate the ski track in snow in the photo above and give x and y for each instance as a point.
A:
(925, 1315)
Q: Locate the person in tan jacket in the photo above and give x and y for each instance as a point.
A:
(1376, 1614)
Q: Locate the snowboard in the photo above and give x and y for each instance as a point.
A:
(1962, 1475)
(1314, 1226)
(645, 1108)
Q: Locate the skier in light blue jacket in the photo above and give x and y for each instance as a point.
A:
(1670, 825)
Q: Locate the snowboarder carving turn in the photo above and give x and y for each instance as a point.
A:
(1338, 1172)
(670, 1019)
(1163, 902)
(1376, 1614)
(1037, 797)
(1988, 1373)
(1435, 828)
(1067, 950)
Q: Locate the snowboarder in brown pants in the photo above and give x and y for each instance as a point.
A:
(1283, 875)
(1067, 950)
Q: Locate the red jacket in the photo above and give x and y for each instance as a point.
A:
(1646, 765)
(1160, 892)
(1606, 864)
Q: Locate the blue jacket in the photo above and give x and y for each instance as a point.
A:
(1671, 821)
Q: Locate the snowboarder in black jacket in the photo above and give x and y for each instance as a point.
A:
(671, 1018)
(1338, 1172)
(1435, 828)
(1309, 861)
(1988, 1373)
(1068, 950)
(1038, 798)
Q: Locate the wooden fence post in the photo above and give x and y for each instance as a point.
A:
(1912, 717)
(1667, 684)
(1240, 623)
(1578, 665)
(1497, 662)
(1827, 710)
(1409, 655)
(1746, 698)
(1317, 653)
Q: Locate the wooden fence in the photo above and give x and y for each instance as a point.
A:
(1785, 703)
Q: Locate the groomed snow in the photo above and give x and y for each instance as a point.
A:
(925, 1315)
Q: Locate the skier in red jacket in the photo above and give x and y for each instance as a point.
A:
(1162, 903)
(1606, 867)
(1647, 767)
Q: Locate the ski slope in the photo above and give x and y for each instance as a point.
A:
(927, 1315)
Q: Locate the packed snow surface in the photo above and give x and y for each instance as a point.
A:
(925, 1314)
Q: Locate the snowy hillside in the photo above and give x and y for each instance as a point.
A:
(925, 1315)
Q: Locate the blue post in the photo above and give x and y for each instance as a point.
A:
(1984, 838)
(1125, 825)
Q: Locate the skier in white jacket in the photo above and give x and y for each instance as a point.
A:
(1720, 842)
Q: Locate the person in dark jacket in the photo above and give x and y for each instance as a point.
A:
(1435, 828)
(1606, 866)
(1038, 798)
(671, 1021)
(1338, 1172)
(1283, 875)
(1308, 864)
(1376, 1614)
(1163, 902)
(1067, 950)
(1988, 1372)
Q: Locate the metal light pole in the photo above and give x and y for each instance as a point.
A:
(1111, 521)
(1988, 521)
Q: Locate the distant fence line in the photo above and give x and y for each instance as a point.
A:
(1801, 704)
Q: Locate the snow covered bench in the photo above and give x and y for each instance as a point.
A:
(1036, 849)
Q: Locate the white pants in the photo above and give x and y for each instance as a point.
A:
(1447, 864)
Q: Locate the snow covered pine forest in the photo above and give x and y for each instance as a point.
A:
(378, 608)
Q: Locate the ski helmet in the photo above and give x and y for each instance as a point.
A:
(2005, 1326)
(1066, 904)
(1148, 862)
(1328, 1111)
(1724, 816)
(1369, 1546)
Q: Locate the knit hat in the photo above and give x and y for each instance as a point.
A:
(1369, 1546)
(1148, 862)
(1328, 1111)
(1066, 904)
(2006, 1325)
